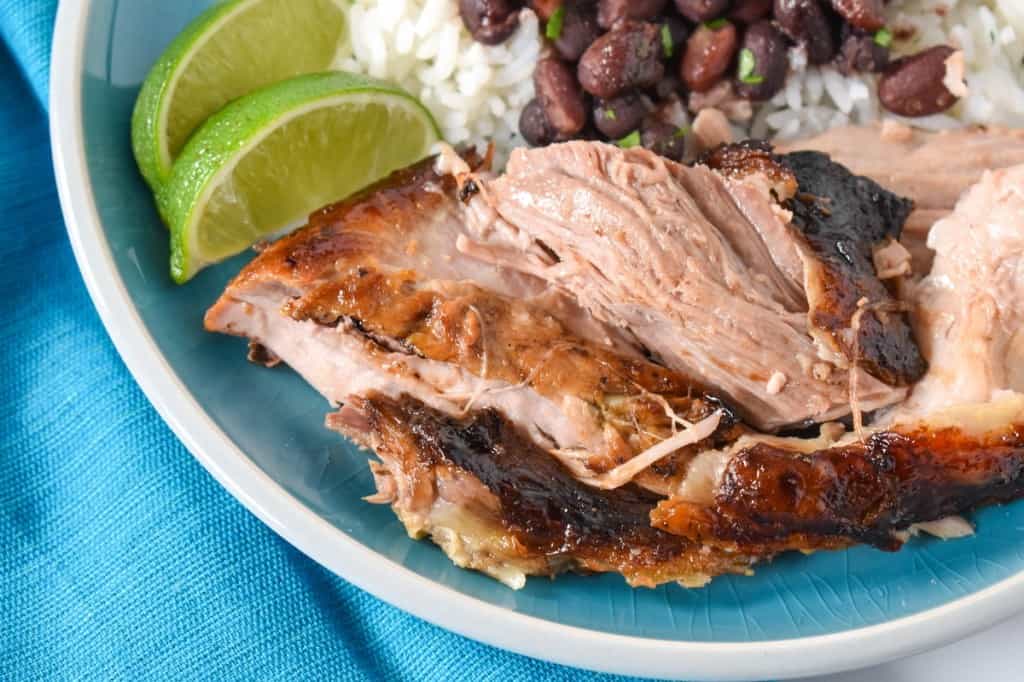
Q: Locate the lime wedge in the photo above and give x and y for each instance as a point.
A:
(269, 159)
(229, 51)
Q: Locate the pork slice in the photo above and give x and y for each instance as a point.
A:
(497, 503)
(955, 444)
(932, 168)
(366, 298)
(699, 266)
(970, 310)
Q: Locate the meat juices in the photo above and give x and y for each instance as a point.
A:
(551, 364)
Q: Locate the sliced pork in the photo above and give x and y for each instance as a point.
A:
(372, 296)
(559, 368)
(710, 273)
(957, 443)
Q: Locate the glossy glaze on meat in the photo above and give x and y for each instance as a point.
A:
(771, 499)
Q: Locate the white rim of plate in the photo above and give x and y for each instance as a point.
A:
(390, 581)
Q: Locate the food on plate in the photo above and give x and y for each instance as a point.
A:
(655, 343)
(270, 158)
(704, 268)
(552, 365)
(232, 49)
(661, 53)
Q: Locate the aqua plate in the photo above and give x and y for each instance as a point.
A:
(261, 434)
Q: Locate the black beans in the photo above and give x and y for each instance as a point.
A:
(749, 11)
(709, 52)
(863, 53)
(805, 22)
(609, 12)
(702, 10)
(669, 86)
(534, 126)
(914, 86)
(763, 62)
(619, 116)
(579, 31)
(560, 96)
(867, 15)
(490, 21)
(625, 58)
(610, 66)
(663, 138)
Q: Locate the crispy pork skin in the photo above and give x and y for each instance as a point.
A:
(932, 169)
(494, 501)
(772, 496)
(841, 221)
(705, 268)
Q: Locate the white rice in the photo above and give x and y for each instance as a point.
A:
(476, 92)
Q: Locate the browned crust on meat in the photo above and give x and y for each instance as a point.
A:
(498, 338)
(398, 203)
(553, 521)
(771, 500)
(842, 218)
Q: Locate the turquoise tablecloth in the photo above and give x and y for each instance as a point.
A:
(120, 558)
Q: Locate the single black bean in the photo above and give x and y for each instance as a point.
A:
(625, 58)
(610, 12)
(861, 53)
(709, 52)
(579, 31)
(534, 126)
(914, 86)
(806, 22)
(663, 138)
(560, 96)
(667, 87)
(619, 116)
(490, 21)
(749, 11)
(867, 15)
(702, 10)
(763, 62)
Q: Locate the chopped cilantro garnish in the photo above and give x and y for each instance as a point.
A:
(748, 62)
(883, 37)
(631, 140)
(716, 24)
(681, 131)
(610, 114)
(666, 41)
(554, 28)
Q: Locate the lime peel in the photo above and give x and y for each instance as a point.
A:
(258, 165)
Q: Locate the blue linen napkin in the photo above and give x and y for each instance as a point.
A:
(120, 558)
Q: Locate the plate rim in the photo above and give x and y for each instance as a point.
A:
(388, 580)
